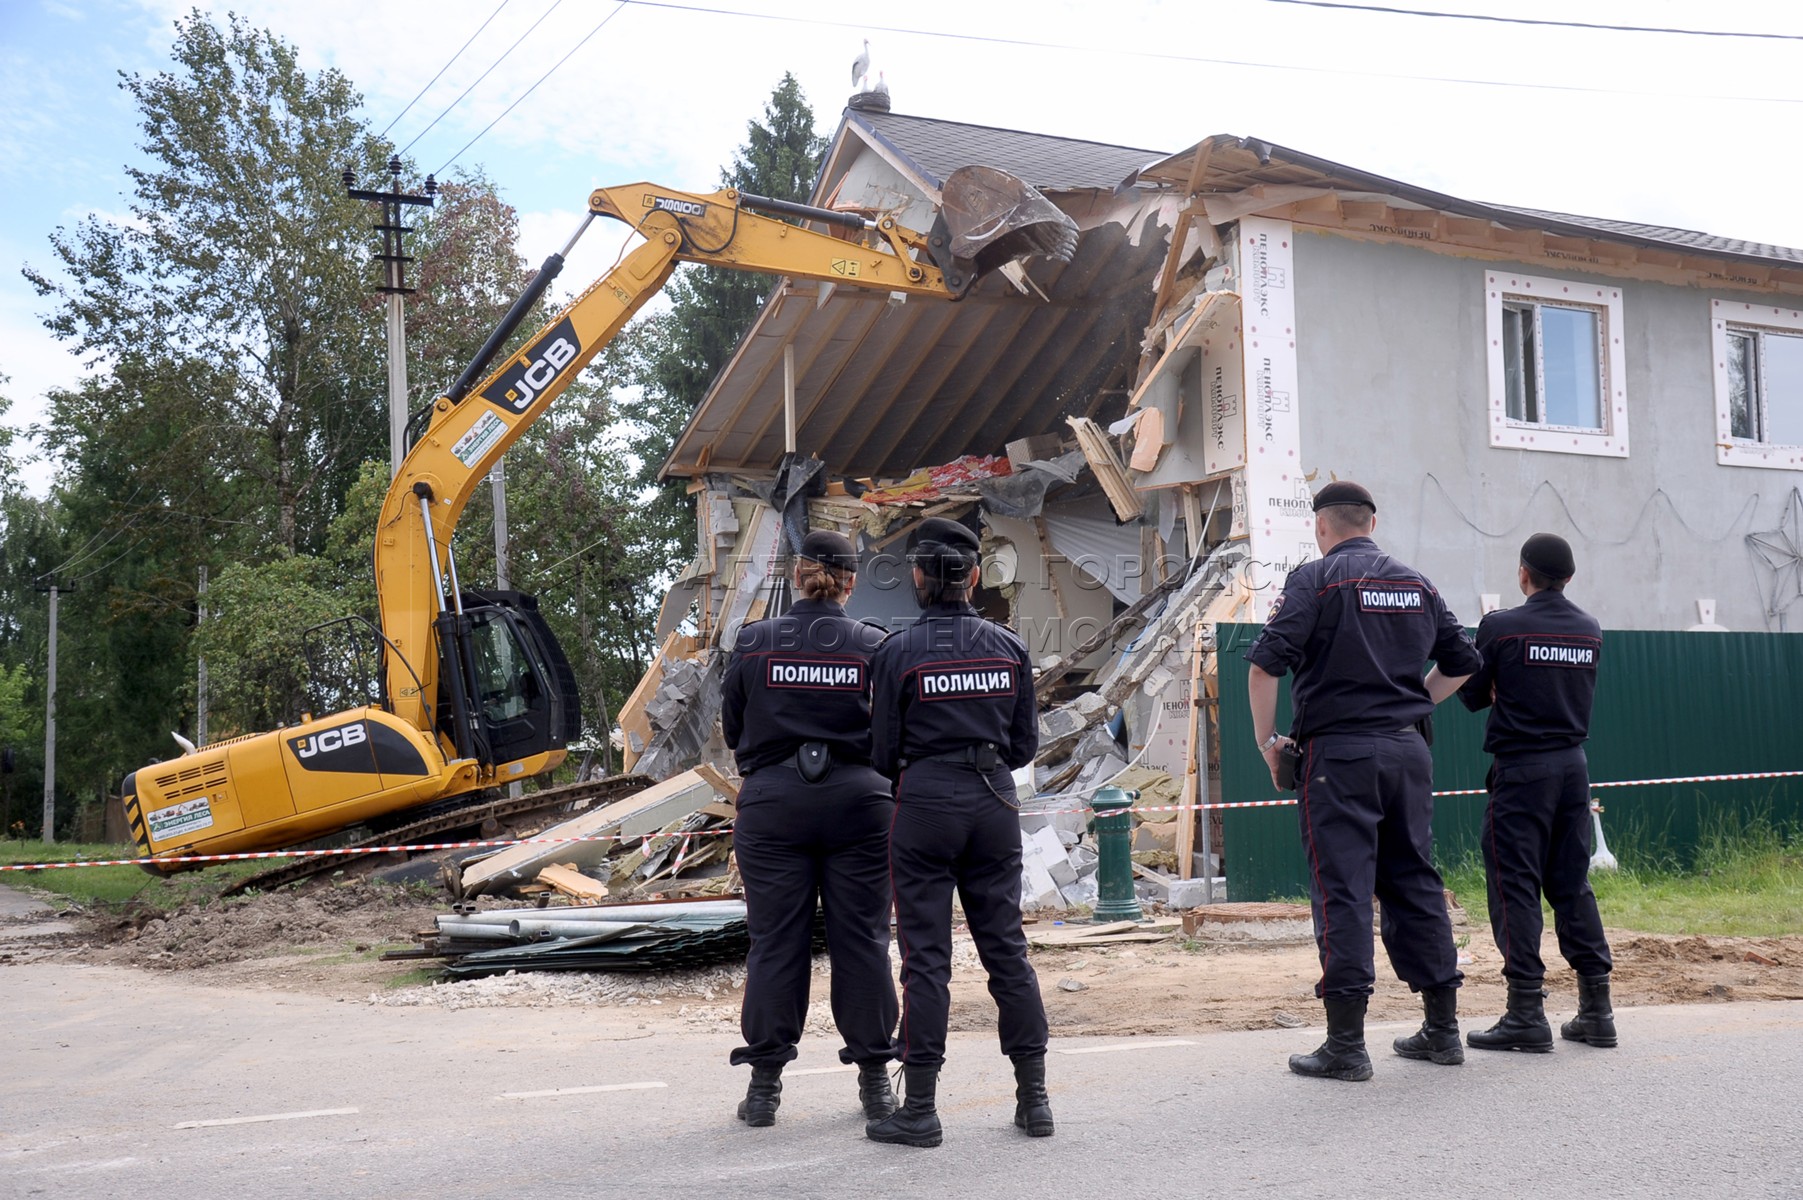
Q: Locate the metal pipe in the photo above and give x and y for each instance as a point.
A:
(474, 931)
(637, 914)
(534, 929)
(424, 492)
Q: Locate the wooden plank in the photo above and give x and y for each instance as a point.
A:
(1148, 439)
(1186, 827)
(1099, 452)
(571, 882)
(1051, 567)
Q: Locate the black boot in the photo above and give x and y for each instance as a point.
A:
(1342, 1055)
(874, 1092)
(758, 1108)
(1032, 1107)
(1438, 1038)
(1595, 1022)
(1523, 1027)
(916, 1122)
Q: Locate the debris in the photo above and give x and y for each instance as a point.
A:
(645, 813)
(1754, 956)
(1284, 1019)
(1110, 934)
(1072, 985)
(568, 881)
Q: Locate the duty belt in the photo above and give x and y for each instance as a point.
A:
(813, 761)
(982, 755)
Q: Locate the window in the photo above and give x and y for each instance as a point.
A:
(1758, 385)
(1556, 375)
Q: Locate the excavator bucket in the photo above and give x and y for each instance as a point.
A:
(988, 218)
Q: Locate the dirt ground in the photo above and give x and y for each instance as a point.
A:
(326, 941)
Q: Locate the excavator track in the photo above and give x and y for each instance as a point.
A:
(597, 791)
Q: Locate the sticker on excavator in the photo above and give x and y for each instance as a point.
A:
(537, 367)
(670, 204)
(189, 816)
(482, 436)
(847, 267)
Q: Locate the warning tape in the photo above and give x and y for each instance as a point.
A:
(645, 840)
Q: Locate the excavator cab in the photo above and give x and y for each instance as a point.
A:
(519, 696)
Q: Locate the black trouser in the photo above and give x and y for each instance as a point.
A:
(797, 845)
(956, 829)
(1537, 839)
(1366, 809)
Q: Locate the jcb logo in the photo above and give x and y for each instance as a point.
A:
(526, 380)
(328, 740)
(669, 204)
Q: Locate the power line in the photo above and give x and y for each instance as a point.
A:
(446, 67)
(1418, 12)
(472, 87)
(621, 7)
(1167, 56)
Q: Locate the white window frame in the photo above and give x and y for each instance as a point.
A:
(1611, 441)
(1738, 315)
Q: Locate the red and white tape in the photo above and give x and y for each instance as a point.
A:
(645, 840)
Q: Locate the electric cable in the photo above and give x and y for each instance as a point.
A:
(472, 87)
(621, 7)
(1419, 12)
(1170, 56)
(443, 69)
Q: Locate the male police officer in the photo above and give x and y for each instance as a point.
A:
(953, 713)
(812, 828)
(1538, 679)
(1356, 626)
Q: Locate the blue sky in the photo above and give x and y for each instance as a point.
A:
(1679, 130)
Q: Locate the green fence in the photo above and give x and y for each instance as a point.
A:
(1667, 704)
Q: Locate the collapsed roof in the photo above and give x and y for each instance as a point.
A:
(882, 386)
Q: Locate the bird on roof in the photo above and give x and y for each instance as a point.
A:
(860, 67)
(882, 86)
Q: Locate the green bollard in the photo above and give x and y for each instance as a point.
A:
(1113, 822)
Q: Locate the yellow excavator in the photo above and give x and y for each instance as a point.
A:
(471, 690)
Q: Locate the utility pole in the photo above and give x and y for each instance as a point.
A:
(200, 682)
(50, 720)
(394, 283)
(497, 483)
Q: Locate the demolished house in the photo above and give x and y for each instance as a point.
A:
(1127, 434)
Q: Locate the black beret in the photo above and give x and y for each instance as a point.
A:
(830, 549)
(1343, 491)
(941, 547)
(1550, 555)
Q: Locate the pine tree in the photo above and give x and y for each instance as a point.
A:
(682, 350)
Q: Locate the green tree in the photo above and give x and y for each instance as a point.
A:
(243, 257)
(685, 347)
(257, 666)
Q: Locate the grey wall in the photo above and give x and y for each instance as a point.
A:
(1390, 340)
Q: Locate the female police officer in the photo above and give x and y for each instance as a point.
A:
(954, 713)
(812, 825)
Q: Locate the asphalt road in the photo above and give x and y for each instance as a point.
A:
(121, 1083)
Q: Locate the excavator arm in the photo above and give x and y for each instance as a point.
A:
(988, 215)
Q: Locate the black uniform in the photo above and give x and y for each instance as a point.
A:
(1538, 678)
(1357, 627)
(953, 714)
(805, 678)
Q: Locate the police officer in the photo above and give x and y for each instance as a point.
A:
(812, 828)
(953, 715)
(1538, 679)
(1357, 626)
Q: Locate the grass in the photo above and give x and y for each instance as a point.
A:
(1747, 881)
(117, 886)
